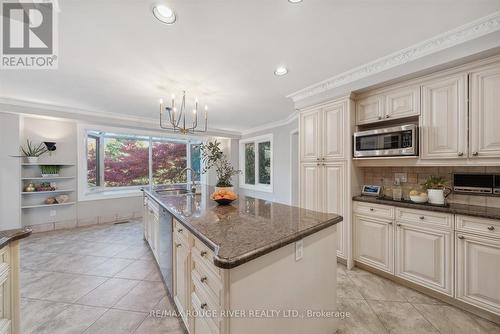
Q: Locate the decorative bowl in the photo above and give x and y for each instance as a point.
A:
(224, 201)
(419, 199)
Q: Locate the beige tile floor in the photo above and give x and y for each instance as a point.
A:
(102, 279)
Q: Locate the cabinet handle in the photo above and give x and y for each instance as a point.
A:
(390, 223)
(371, 209)
(398, 224)
(178, 245)
(421, 217)
(460, 237)
(380, 117)
(491, 228)
(475, 154)
(180, 230)
(323, 159)
(460, 154)
(203, 279)
(317, 159)
(203, 253)
(317, 164)
(203, 306)
(387, 116)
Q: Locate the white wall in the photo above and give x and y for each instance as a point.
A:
(10, 182)
(282, 157)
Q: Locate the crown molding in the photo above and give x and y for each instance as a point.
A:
(465, 33)
(271, 125)
(77, 114)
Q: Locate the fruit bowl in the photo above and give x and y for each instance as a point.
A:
(224, 197)
(418, 197)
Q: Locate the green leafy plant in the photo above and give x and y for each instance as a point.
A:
(435, 182)
(33, 150)
(213, 157)
(50, 169)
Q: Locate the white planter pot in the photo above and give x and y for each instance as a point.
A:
(32, 160)
(436, 196)
(50, 175)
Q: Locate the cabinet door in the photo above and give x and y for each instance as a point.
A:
(370, 110)
(334, 129)
(310, 196)
(181, 275)
(424, 256)
(334, 186)
(310, 136)
(485, 113)
(444, 119)
(478, 271)
(373, 242)
(403, 102)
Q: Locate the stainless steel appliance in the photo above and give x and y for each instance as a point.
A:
(496, 189)
(399, 140)
(475, 183)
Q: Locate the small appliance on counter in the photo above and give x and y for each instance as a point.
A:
(394, 141)
(476, 184)
(370, 190)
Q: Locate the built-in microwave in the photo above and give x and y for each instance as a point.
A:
(399, 140)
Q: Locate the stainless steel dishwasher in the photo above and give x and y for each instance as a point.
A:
(165, 259)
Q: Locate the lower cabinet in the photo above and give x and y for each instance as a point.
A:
(425, 256)
(478, 271)
(181, 276)
(373, 243)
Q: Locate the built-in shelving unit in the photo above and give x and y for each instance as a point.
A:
(33, 202)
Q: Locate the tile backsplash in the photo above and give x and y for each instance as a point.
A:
(385, 177)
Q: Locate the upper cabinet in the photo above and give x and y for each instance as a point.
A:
(444, 118)
(485, 112)
(323, 132)
(393, 104)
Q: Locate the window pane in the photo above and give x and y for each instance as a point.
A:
(169, 159)
(195, 161)
(250, 163)
(126, 162)
(265, 162)
(92, 174)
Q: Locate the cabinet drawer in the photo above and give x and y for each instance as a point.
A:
(205, 255)
(425, 218)
(206, 279)
(374, 210)
(484, 226)
(180, 230)
(204, 320)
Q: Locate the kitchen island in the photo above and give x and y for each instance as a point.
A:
(250, 267)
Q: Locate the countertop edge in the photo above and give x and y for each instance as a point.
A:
(8, 236)
(434, 208)
(229, 263)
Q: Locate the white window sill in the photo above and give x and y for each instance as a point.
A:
(261, 188)
(110, 194)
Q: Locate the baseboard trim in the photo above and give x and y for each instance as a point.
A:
(431, 293)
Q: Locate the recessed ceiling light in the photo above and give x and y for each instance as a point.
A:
(164, 14)
(294, 1)
(281, 70)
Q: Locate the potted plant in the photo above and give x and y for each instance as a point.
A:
(50, 170)
(213, 157)
(436, 187)
(32, 152)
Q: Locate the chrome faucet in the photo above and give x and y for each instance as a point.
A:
(194, 173)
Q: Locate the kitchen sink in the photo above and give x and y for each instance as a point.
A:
(172, 191)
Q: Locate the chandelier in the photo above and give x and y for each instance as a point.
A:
(176, 117)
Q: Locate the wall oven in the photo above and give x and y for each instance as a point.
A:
(394, 141)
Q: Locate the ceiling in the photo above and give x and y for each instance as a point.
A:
(115, 57)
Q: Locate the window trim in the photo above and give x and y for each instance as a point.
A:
(85, 193)
(256, 140)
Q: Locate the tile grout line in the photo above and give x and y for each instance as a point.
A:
(424, 317)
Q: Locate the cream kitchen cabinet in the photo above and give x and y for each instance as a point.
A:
(374, 242)
(323, 132)
(394, 104)
(181, 281)
(484, 112)
(444, 118)
(151, 217)
(322, 189)
(425, 256)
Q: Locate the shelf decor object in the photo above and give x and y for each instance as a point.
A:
(50, 170)
(33, 152)
(177, 115)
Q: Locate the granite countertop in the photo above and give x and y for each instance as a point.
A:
(8, 236)
(244, 230)
(454, 208)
